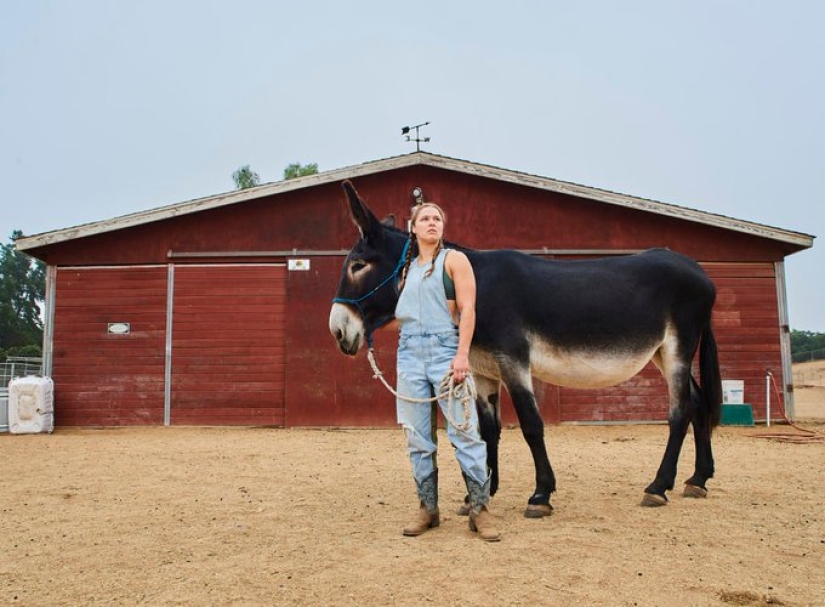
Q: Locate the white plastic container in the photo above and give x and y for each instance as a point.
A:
(31, 405)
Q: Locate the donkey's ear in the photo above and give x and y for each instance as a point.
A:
(363, 218)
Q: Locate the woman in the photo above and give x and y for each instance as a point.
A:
(436, 328)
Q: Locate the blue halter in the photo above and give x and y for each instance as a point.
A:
(357, 302)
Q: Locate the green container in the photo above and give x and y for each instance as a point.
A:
(737, 415)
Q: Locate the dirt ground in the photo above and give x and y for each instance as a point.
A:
(809, 390)
(223, 516)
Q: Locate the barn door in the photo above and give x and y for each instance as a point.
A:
(227, 345)
(108, 331)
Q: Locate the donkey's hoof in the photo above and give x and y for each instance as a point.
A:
(538, 510)
(694, 491)
(463, 509)
(653, 500)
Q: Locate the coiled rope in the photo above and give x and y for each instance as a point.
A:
(464, 392)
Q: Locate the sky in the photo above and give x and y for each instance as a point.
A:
(109, 107)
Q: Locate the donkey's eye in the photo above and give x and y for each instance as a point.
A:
(358, 265)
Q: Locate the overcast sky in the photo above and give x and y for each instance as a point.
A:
(109, 107)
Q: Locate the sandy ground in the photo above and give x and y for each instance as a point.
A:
(223, 516)
(809, 390)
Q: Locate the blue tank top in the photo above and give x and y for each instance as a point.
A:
(422, 307)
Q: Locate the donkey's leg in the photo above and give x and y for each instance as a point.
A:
(666, 475)
(700, 419)
(678, 420)
(520, 386)
(489, 420)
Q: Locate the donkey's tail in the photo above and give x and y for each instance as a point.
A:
(710, 377)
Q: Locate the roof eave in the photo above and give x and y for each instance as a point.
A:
(209, 202)
(795, 239)
(642, 204)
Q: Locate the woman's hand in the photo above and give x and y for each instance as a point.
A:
(460, 367)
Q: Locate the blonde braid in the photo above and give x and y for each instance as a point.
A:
(407, 260)
(438, 249)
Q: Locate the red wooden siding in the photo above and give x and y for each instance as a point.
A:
(228, 355)
(642, 398)
(746, 322)
(102, 379)
(322, 383)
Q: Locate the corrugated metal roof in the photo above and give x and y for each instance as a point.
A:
(416, 158)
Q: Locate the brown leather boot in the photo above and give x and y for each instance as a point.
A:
(423, 520)
(485, 525)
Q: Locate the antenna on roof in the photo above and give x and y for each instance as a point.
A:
(418, 140)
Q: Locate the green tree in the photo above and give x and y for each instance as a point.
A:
(245, 177)
(296, 169)
(807, 345)
(22, 291)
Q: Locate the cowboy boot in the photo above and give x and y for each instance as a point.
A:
(427, 516)
(480, 518)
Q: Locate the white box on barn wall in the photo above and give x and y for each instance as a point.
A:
(298, 265)
(733, 391)
(31, 405)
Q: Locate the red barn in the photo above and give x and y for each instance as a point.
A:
(215, 311)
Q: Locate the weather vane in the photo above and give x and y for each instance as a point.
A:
(418, 140)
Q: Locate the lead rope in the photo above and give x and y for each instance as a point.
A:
(464, 392)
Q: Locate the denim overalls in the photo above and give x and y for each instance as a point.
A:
(427, 344)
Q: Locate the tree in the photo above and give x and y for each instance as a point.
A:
(22, 291)
(807, 345)
(296, 169)
(245, 177)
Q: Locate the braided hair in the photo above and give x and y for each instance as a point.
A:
(412, 250)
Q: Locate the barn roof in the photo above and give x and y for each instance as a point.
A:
(416, 158)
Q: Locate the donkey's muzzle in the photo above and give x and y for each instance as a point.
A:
(347, 329)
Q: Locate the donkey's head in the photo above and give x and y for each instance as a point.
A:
(368, 289)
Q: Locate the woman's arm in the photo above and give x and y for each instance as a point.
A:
(458, 267)
(393, 324)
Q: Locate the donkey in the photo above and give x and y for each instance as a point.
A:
(579, 324)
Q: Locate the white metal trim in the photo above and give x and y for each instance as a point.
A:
(114, 267)
(48, 319)
(785, 340)
(344, 253)
(223, 254)
(231, 265)
(167, 363)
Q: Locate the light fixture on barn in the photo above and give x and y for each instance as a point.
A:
(418, 140)
(417, 195)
